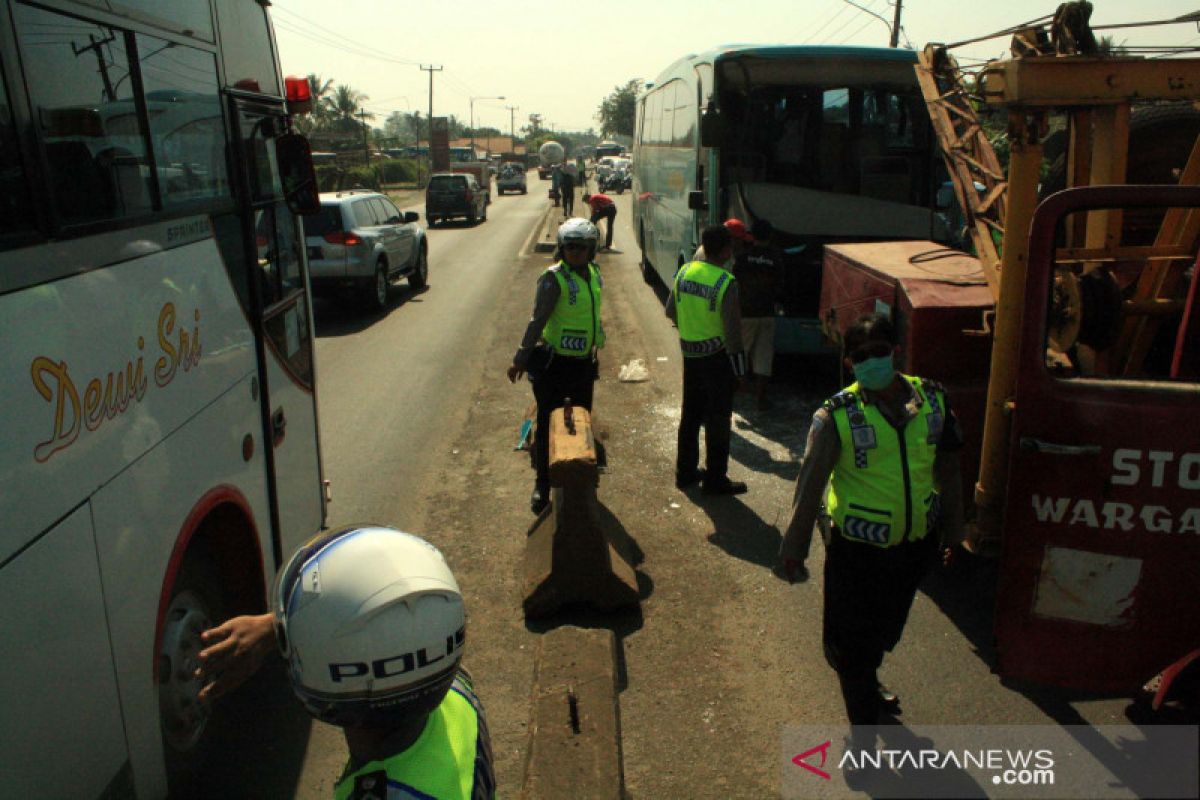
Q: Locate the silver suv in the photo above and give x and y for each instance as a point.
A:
(360, 241)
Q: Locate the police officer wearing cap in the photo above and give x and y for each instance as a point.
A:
(561, 340)
(704, 305)
(887, 447)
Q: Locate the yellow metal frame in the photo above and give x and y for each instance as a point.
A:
(1097, 93)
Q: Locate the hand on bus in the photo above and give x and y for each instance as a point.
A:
(234, 651)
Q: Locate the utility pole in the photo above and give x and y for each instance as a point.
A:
(512, 127)
(896, 26)
(362, 116)
(430, 69)
(109, 93)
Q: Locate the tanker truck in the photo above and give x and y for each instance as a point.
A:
(550, 155)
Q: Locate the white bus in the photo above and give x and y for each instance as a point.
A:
(158, 432)
(830, 144)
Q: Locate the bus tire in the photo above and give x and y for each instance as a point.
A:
(190, 728)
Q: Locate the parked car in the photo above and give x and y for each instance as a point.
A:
(511, 179)
(455, 195)
(360, 241)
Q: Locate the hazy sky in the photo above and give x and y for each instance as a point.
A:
(561, 59)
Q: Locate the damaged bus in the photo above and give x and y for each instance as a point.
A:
(831, 144)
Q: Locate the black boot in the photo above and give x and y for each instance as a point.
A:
(539, 499)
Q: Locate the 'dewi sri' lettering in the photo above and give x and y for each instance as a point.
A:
(108, 395)
(1177, 474)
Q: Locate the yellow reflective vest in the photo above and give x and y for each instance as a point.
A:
(883, 491)
(574, 327)
(700, 289)
(440, 763)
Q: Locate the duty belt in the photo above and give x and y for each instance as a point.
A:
(704, 348)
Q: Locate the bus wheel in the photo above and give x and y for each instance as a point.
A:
(647, 268)
(187, 723)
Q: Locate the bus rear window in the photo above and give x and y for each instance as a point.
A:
(327, 220)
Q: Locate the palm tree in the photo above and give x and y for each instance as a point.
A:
(320, 90)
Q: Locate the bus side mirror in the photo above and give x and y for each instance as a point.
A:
(696, 200)
(711, 126)
(297, 174)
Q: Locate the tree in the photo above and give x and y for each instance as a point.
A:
(318, 118)
(616, 112)
(344, 106)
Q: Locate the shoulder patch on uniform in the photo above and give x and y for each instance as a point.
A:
(840, 400)
(931, 385)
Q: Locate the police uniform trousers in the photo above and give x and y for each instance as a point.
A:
(868, 593)
(708, 388)
(565, 377)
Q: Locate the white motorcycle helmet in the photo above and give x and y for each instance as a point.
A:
(371, 623)
(578, 229)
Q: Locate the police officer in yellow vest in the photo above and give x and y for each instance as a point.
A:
(704, 304)
(562, 337)
(886, 445)
(371, 623)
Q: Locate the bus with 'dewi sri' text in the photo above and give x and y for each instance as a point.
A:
(158, 444)
(830, 144)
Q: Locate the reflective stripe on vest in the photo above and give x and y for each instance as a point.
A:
(440, 763)
(574, 326)
(700, 288)
(883, 489)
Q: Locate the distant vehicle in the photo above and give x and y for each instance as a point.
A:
(455, 195)
(360, 241)
(324, 159)
(609, 149)
(831, 144)
(465, 155)
(511, 179)
(550, 154)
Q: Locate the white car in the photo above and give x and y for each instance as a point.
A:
(360, 241)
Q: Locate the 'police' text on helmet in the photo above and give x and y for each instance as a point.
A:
(372, 624)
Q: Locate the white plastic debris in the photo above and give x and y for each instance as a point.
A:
(634, 372)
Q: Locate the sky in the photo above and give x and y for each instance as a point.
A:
(560, 60)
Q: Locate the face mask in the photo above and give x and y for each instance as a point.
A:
(875, 373)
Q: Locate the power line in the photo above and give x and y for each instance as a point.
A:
(842, 9)
(298, 21)
(840, 28)
(357, 51)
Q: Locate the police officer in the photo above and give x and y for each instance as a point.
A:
(562, 337)
(371, 623)
(887, 446)
(704, 305)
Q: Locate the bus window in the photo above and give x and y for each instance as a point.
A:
(186, 127)
(249, 62)
(86, 116)
(15, 214)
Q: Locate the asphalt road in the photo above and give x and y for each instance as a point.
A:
(417, 427)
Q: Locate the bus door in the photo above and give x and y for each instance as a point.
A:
(1101, 543)
(283, 329)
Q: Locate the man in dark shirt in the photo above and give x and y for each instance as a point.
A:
(759, 274)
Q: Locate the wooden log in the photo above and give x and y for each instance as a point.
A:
(569, 556)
